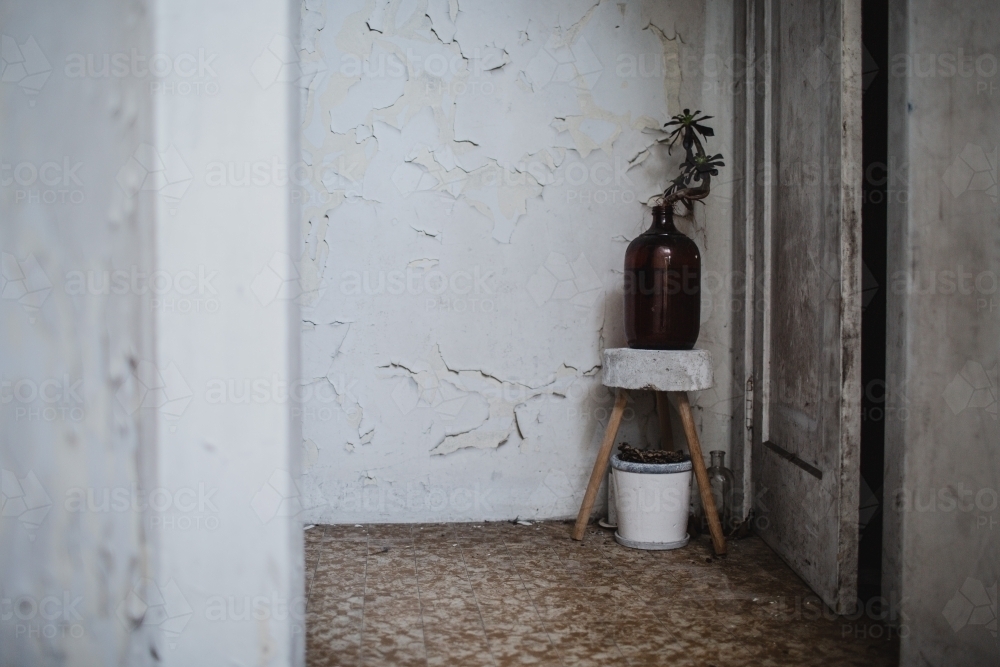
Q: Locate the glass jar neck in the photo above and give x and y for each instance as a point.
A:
(663, 221)
(718, 458)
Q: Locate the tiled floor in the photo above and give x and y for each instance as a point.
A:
(500, 594)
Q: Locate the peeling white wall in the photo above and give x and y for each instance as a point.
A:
(471, 175)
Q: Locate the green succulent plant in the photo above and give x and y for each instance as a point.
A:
(693, 183)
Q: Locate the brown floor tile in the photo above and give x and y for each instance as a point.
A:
(585, 644)
(456, 642)
(497, 594)
(533, 648)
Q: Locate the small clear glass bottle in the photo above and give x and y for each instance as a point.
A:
(721, 479)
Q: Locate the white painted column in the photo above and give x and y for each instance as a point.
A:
(68, 435)
(145, 511)
(234, 345)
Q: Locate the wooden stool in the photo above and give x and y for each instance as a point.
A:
(662, 371)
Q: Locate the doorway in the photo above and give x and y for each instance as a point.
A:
(874, 284)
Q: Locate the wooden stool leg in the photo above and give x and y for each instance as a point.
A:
(663, 410)
(601, 464)
(698, 463)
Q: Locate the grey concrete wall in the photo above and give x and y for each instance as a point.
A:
(942, 535)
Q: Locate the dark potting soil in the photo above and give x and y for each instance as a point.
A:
(630, 454)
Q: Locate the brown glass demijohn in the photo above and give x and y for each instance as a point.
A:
(662, 287)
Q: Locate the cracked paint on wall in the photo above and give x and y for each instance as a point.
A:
(476, 171)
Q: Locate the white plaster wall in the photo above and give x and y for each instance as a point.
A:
(471, 175)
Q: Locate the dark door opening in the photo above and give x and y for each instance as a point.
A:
(875, 190)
